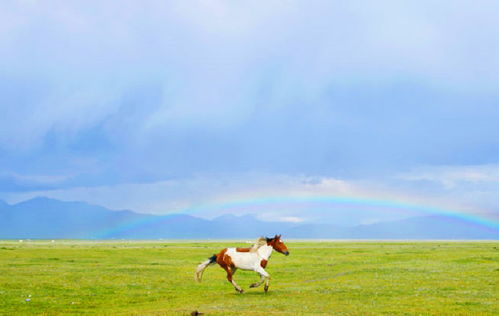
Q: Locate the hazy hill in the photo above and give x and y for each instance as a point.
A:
(49, 218)
(428, 227)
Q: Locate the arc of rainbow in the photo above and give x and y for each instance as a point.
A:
(363, 202)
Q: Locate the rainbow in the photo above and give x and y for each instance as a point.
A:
(269, 202)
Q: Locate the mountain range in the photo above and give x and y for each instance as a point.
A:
(44, 218)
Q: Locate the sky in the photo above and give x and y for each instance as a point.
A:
(173, 106)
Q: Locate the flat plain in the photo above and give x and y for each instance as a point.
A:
(317, 278)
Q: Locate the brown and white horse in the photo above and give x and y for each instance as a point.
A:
(254, 258)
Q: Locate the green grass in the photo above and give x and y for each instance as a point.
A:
(318, 278)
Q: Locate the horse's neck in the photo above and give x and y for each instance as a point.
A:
(265, 251)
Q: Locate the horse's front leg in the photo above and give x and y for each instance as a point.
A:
(256, 284)
(264, 276)
(266, 287)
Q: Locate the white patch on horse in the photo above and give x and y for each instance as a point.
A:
(249, 260)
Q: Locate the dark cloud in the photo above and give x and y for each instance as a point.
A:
(106, 95)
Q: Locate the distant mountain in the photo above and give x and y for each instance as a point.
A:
(44, 218)
(48, 218)
(181, 226)
(429, 227)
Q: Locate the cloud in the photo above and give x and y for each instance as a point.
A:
(452, 176)
(297, 198)
(193, 193)
(475, 187)
(166, 101)
(286, 219)
(12, 182)
(215, 63)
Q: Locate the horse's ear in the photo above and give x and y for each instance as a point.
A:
(277, 236)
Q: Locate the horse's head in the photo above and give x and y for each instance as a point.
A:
(278, 245)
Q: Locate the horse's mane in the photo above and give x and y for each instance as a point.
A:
(261, 241)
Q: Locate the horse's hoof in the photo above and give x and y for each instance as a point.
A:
(266, 288)
(253, 285)
(241, 291)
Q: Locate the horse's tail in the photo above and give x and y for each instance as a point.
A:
(200, 269)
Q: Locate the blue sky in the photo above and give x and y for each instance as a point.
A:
(167, 105)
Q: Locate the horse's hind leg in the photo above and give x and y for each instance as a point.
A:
(230, 278)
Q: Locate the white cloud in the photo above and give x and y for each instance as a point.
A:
(196, 194)
(286, 219)
(36, 179)
(452, 176)
(252, 193)
(473, 188)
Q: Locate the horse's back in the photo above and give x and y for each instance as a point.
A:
(239, 249)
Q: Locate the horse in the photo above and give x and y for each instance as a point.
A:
(254, 258)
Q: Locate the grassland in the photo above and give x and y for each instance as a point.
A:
(318, 278)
